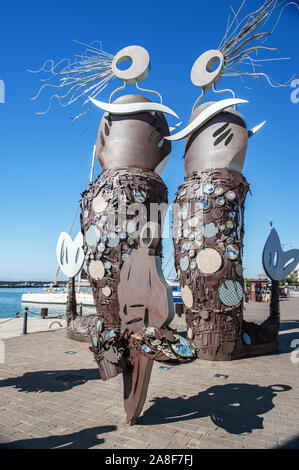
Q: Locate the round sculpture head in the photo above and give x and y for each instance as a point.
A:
(132, 140)
(220, 143)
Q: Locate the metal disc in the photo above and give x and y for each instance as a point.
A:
(209, 261)
(187, 296)
(184, 263)
(230, 293)
(99, 204)
(96, 270)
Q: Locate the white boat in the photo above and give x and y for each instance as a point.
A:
(83, 298)
(176, 290)
(57, 298)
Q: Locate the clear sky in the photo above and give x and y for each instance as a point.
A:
(45, 160)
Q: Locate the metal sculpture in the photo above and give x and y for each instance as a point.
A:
(123, 251)
(263, 338)
(133, 301)
(208, 223)
(130, 146)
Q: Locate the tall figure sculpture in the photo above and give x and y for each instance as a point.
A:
(121, 217)
(208, 225)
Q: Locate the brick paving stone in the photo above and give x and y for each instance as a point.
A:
(186, 407)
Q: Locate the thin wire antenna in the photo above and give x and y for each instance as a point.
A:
(247, 39)
(117, 89)
(228, 90)
(92, 164)
(149, 91)
(228, 30)
(199, 99)
(87, 75)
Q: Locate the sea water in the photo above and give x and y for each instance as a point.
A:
(11, 303)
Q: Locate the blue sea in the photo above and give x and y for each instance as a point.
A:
(10, 302)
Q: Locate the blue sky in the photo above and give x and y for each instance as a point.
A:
(45, 160)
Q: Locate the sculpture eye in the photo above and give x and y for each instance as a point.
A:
(139, 67)
(223, 133)
(204, 73)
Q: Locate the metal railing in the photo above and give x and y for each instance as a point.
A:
(43, 314)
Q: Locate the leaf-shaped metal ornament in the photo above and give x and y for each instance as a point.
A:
(70, 254)
(277, 263)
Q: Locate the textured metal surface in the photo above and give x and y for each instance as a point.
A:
(132, 140)
(220, 143)
(213, 323)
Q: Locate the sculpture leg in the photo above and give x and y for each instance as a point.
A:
(208, 236)
(136, 382)
(71, 305)
(263, 339)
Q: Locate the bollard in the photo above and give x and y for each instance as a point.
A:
(44, 312)
(17, 315)
(80, 310)
(179, 309)
(25, 321)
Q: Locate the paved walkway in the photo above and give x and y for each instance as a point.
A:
(52, 397)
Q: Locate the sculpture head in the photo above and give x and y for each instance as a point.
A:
(132, 140)
(220, 143)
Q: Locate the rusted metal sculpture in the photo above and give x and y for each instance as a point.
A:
(208, 236)
(208, 223)
(133, 301)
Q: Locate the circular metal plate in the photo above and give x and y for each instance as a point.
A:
(99, 204)
(231, 195)
(209, 230)
(107, 291)
(139, 195)
(184, 263)
(232, 252)
(208, 188)
(182, 347)
(187, 296)
(230, 293)
(209, 261)
(92, 235)
(96, 270)
(113, 240)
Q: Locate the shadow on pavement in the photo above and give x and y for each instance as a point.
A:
(77, 440)
(51, 380)
(285, 339)
(234, 407)
(292, 444)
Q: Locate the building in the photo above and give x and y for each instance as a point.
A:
(296, 271)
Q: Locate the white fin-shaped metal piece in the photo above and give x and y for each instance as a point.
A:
(132, 108)
(161, 167)
(204, 116)
(173, 128)
(255, 129)
(70, 254)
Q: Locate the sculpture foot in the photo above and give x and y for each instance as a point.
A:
(136, 382)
